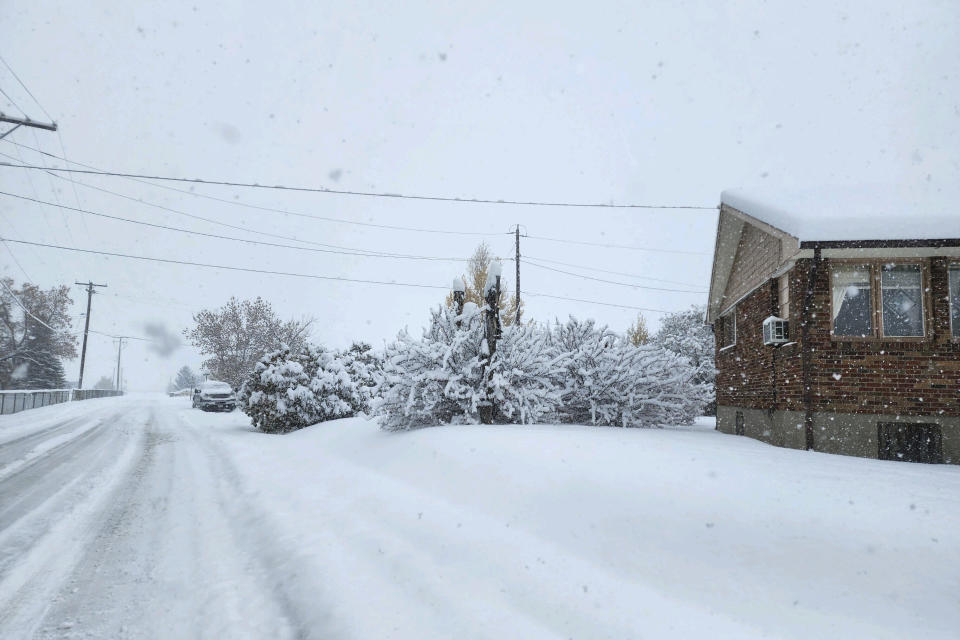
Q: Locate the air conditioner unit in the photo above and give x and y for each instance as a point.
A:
(775, 330)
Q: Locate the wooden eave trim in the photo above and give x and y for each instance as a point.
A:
(879, 244)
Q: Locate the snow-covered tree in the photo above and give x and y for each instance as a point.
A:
(239, 333)
(35, 334)
(612, 382)
(475, 281)
(440, 378)
(287, 391)
(186, 379)
(686, 334)
(44, 370)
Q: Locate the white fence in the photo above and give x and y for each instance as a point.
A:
(16, 401)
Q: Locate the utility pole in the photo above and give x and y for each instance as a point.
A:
(119, 349)
(86, 328)
(516, 262)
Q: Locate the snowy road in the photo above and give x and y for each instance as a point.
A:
(121, 520)
(138, 517)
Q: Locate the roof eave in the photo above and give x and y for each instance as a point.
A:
(879, 244)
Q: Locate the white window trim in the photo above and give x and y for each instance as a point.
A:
(731, 313)
(952, 268)
(923, 302)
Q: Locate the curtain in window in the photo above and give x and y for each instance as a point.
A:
(852, 306)
(902, 296)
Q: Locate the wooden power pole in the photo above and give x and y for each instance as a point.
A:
(516, 262)
(119, 350)
(86, 328)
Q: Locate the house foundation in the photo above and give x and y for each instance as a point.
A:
(853, 434)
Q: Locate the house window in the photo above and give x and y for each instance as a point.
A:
(901, 294)
(783, 287)
(878, 300)
(955, 301)
(728, 329)
(852, 301)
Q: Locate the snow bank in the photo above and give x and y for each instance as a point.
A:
(568, 531)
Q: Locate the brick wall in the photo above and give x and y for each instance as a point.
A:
(888, 377)
(758, 255)
(745, 371)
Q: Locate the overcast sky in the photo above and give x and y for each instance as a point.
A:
(651, 103)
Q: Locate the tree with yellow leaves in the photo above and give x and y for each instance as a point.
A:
(638, 333)
(476, 278)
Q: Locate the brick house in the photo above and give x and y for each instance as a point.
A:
(869, 363)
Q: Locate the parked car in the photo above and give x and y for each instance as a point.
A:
(214, 395)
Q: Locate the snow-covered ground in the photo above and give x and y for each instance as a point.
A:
(139, 517)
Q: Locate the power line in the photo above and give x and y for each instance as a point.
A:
(304, 275)
(614, 246)
(247, 205)
(25, 88)
(225, 267)
(23, 306)
(10, 100)
(605, 304)
(616, 273)
(371, 194)
(623, 284)
(353, 250)
(246, 240)
(17, 262)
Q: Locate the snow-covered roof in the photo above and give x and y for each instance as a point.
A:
(872, 212)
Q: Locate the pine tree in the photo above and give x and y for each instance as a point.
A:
(186, 378)
(44, 370)
(30, 352)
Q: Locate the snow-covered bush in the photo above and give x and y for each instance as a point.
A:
(436, 379)
(574, 372)
(365, 368)
(288, 391)
(440, 378)
(612, 382)
(686, 334)
(527, 372)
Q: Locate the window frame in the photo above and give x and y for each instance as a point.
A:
(875, 265)
(783, 296)
(724, 319)
(952, 267)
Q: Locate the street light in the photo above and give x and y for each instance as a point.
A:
(459, 292)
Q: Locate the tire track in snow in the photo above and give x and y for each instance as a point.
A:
(21, 456)
(278, 566)
(170, 558)
(61, 495)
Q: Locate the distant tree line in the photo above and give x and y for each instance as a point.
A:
(573, 372)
